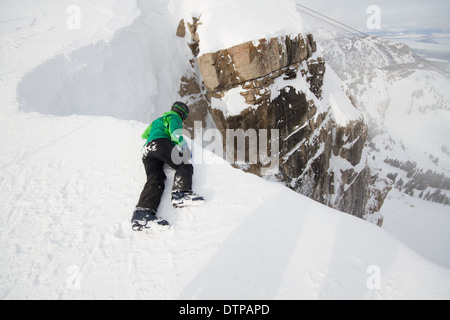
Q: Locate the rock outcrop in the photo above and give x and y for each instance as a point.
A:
(252, 60)
(317, 156)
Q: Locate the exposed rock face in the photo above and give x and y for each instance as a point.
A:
(192, 88)
(256, 64)
(317, 157)
(227, 68)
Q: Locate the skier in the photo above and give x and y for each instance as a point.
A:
(165, 145)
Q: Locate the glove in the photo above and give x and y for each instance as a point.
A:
(186, 152)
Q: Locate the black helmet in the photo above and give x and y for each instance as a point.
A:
(181, 108)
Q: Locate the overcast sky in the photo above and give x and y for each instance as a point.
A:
(394, 14)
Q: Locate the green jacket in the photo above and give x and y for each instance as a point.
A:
(169, 126)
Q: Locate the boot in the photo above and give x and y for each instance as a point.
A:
(142, 217)
(181, 199)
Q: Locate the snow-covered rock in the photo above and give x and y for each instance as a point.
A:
(283, 83)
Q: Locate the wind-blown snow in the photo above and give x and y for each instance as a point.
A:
(69, 183)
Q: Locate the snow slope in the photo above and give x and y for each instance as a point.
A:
(420, 224)
(68, 185)
(65, 230)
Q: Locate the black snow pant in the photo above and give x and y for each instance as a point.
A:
(157, 153)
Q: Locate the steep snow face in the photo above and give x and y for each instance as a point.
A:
(53, 28)
(134, 75)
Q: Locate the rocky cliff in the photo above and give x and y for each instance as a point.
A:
(275, 86)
